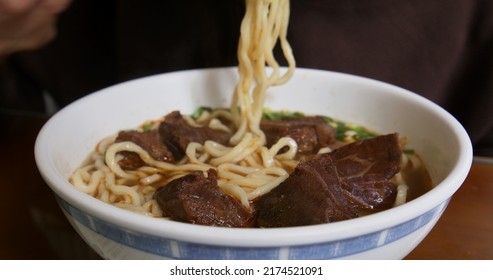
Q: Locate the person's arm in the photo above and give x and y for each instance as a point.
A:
(27, 24)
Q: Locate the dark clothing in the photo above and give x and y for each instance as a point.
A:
(441, 49)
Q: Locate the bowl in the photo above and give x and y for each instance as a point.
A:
(71, 134)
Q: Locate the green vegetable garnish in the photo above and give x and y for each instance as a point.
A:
(195, 115)
(408, 151)
(340, 129)
(362, 133)
(328, 120)
(147, 127)
(278, 115)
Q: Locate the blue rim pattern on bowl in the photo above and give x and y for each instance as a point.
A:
(184, 250)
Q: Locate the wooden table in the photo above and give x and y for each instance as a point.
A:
(33, 227)
(465, 230)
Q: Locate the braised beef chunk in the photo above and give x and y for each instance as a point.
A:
(334, 186)
(311, 133)
(366, 168)
(130, 161)
(304, 198)
(197, 199)
(150, 141)
(177, 134)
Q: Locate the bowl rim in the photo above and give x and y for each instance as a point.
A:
(255, 237)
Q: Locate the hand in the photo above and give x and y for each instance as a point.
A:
(28, 24)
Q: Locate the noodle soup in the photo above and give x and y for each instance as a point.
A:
(127, 169)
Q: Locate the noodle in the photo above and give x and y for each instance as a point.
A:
(264, 23)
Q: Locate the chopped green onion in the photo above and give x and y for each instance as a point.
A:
(195, 115)
(328, 120)
(362, 133)
(408, 151)
(270, 115)
(278, 115)
(147, 127)
(296, 115)
(340, 129)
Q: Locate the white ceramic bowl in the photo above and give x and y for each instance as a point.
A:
(69, 136)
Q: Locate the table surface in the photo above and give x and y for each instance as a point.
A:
(33, 227)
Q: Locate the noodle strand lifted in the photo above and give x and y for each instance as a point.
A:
(265, 23)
